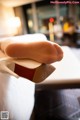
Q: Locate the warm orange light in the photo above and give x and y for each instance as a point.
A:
(51, 20)
(51, 31)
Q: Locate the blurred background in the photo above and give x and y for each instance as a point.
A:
(60, 23)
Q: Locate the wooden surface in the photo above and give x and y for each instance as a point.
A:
(67, 71)
(16, 97)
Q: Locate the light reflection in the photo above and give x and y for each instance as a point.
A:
(14, 22)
